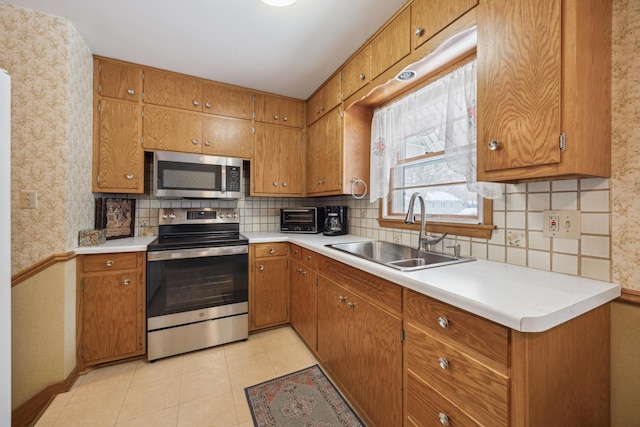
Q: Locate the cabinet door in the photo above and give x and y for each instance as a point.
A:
(119, 158)
(227, 101)
(227, 136)
(172, 90)
(392, 44)
(429, 17)
(270, 292)
(304, 307)
(333, 328)
(110, 315)
(325, 100)
(278, 110)
(357, 73)
(277, 161)
(324, 154)
(118, 80)
(291, 162)
(375, 360)
(519, 70)
(172, 130)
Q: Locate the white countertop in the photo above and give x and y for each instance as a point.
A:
(524, 299)
(521, 298)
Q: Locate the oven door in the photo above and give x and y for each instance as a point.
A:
(190, 280)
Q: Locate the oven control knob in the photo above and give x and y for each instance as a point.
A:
(165, 216)
(235, 214)
(172, 216)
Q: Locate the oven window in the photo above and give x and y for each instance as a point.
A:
(188, 176)
(298, 217)
(179, 285)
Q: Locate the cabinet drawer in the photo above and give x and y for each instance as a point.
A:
(464, 381)
(110, 262)
(467, 330)
(426, 407)
(271, 249)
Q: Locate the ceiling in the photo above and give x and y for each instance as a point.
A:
(284, 50)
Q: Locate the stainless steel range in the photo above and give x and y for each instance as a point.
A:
(197, 281)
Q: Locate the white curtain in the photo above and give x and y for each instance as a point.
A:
(443, 113)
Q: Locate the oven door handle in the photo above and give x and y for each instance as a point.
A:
(197, 253)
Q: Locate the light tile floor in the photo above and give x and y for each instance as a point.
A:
(203, 388)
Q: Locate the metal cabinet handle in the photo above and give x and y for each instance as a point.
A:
(129, 176)
(272, 251)
(419, 31)
(275, 117)
(444, 418)
(443, 321)
(320, 181)
(126, 282)
(196, 103)
(362, 76)
(284, 119)
(275, 183)
(494, 145)
(261, 267)
(207, 143)
(342, 299)
(131, 92)
(307, 257)
(295, 251)
(351, 305)
(207, 105)
(303, 272)
(110, 263)
(444, 363)
(194, 141)
(284, 183)
(299, 270)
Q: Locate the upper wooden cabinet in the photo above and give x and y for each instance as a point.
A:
(429, 17)
(392, 44)
(119, 80)
(169, 129)
(278, 110)
(227, 101)
(227, 136)
(172, 90)
(325, 99)
(357, 72)
(544, 89)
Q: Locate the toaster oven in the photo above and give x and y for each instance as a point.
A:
(302, 220)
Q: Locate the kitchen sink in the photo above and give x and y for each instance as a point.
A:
(397, 256)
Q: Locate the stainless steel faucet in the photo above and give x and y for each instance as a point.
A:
(423, 238)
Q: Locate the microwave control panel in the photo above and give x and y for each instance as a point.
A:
(233, 178)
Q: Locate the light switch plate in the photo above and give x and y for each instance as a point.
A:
(563, 224)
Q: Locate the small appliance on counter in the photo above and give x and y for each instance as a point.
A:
(302, 220)
(336, 222)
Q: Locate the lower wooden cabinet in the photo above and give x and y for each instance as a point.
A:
(360, 343)
(303, 284)
(111, 307)
(268, 285)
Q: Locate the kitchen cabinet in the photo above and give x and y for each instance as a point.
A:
(360, 338)
(392, 44)
(544, 83)
(356, 74)
(172, 90)
(328, 97)
(429, 17)
(169, 129)
(227, 101)
(278, 110)
(277, 161)
(268, 285)
(338, 147)
(461, 369)
(227, 136)
(111, 307)
(119, 80)
(303, 278)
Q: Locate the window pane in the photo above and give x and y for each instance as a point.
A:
(427, 172)
(442, 203)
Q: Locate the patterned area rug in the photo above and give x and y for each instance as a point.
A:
(304, 398)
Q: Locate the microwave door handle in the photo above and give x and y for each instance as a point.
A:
(223, 178)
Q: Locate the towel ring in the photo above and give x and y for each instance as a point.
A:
(355, 181)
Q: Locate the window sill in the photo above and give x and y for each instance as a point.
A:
(479, 231)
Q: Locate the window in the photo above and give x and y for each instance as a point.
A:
(425, 143)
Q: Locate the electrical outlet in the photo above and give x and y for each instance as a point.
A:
(29, 199)
(563, 224)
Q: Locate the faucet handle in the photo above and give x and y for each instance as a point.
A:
(456, 249)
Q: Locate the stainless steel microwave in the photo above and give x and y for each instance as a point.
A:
(196, 176)
(302, 220)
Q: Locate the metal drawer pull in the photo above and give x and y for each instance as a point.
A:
(299, 270)
(304, 272)
(208, 105)
(129, 176)
(307, 257)
(110, 263)
(207, 143)
(493, 145)
(261, 267)
(444, 418)
(195, 102)
(362, 76)
(272, 251)
(127, 282)
(443, 321)
(131, 91)
(444, 363)
(194, 141)
(419, 33)
(342, 299)
(351, 305)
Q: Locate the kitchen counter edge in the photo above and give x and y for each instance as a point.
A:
(129, 244)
